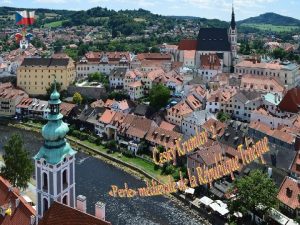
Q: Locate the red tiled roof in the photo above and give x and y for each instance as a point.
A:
(139, 127)
(66, 108)
(21, 215)
(217, 125)
(289, 193)
(107, 116)
(282, 135)
(167, 126)
(188, 45)
(154, 56)
(7, 91)
(25, 103)
(210, 61)
(112, 56)
(60, 214)
(291, 101)
(163, 137)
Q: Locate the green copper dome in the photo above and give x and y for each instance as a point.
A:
(55, 95)
(55, 130)
(55, 147)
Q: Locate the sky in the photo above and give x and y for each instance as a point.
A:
(219, 9)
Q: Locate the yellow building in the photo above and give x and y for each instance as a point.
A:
(35, 74)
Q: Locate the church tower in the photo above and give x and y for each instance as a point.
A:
(55, 161)
(233, 37)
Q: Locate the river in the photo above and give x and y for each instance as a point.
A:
(93, 180)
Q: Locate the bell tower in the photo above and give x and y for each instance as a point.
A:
(55, 161)
(232, 34)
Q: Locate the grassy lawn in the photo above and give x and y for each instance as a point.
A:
(148, 167)
(139, 19)
(55, 24)
(145, 165)
(270, 27)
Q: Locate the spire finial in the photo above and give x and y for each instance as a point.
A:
(54, 82)
(232, 23)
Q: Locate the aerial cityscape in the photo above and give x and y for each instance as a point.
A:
(149, 112)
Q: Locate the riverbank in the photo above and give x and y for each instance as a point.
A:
(124, 163)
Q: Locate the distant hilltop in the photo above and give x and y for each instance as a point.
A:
(271, 18)
(133, 18)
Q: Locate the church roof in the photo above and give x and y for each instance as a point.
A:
(213, 39)
(64, 215)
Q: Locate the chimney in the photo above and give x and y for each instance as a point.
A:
(32, 220)
(17, 202)
(289, 192)
(270, 172)
(100, 210)
(81, 203)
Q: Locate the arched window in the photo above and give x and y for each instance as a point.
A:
(45, 181)
(65, 200)
(65, 179)
(45, 203)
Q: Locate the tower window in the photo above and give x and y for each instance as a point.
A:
(65, 200)
(65, 179)
(45, 203)
(45, 181)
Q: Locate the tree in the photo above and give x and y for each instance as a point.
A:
(223, 117)
(279, 53)
(254, 190)
(159, 96)
(117, 95)
(77, 98)
(18, 166)
(94, 77)
(111, 145)
(51, 88)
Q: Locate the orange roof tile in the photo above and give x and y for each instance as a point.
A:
(163, 137)
(61, 214)
(107, 116)
(167, 126)
(21, 214)
(289, 193)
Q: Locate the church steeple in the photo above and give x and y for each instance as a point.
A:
(233, 23)
(55, 161)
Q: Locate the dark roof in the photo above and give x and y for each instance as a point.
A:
(234, 134)
(118, 72)
(142, 110)
(45, 62)
(64, 215)
(245, 96)
(234, 81)
(213, 39)
(196, 80)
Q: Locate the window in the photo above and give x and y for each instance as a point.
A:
(45, 181)
(65, 179)
(45, 203)
(65, 200)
